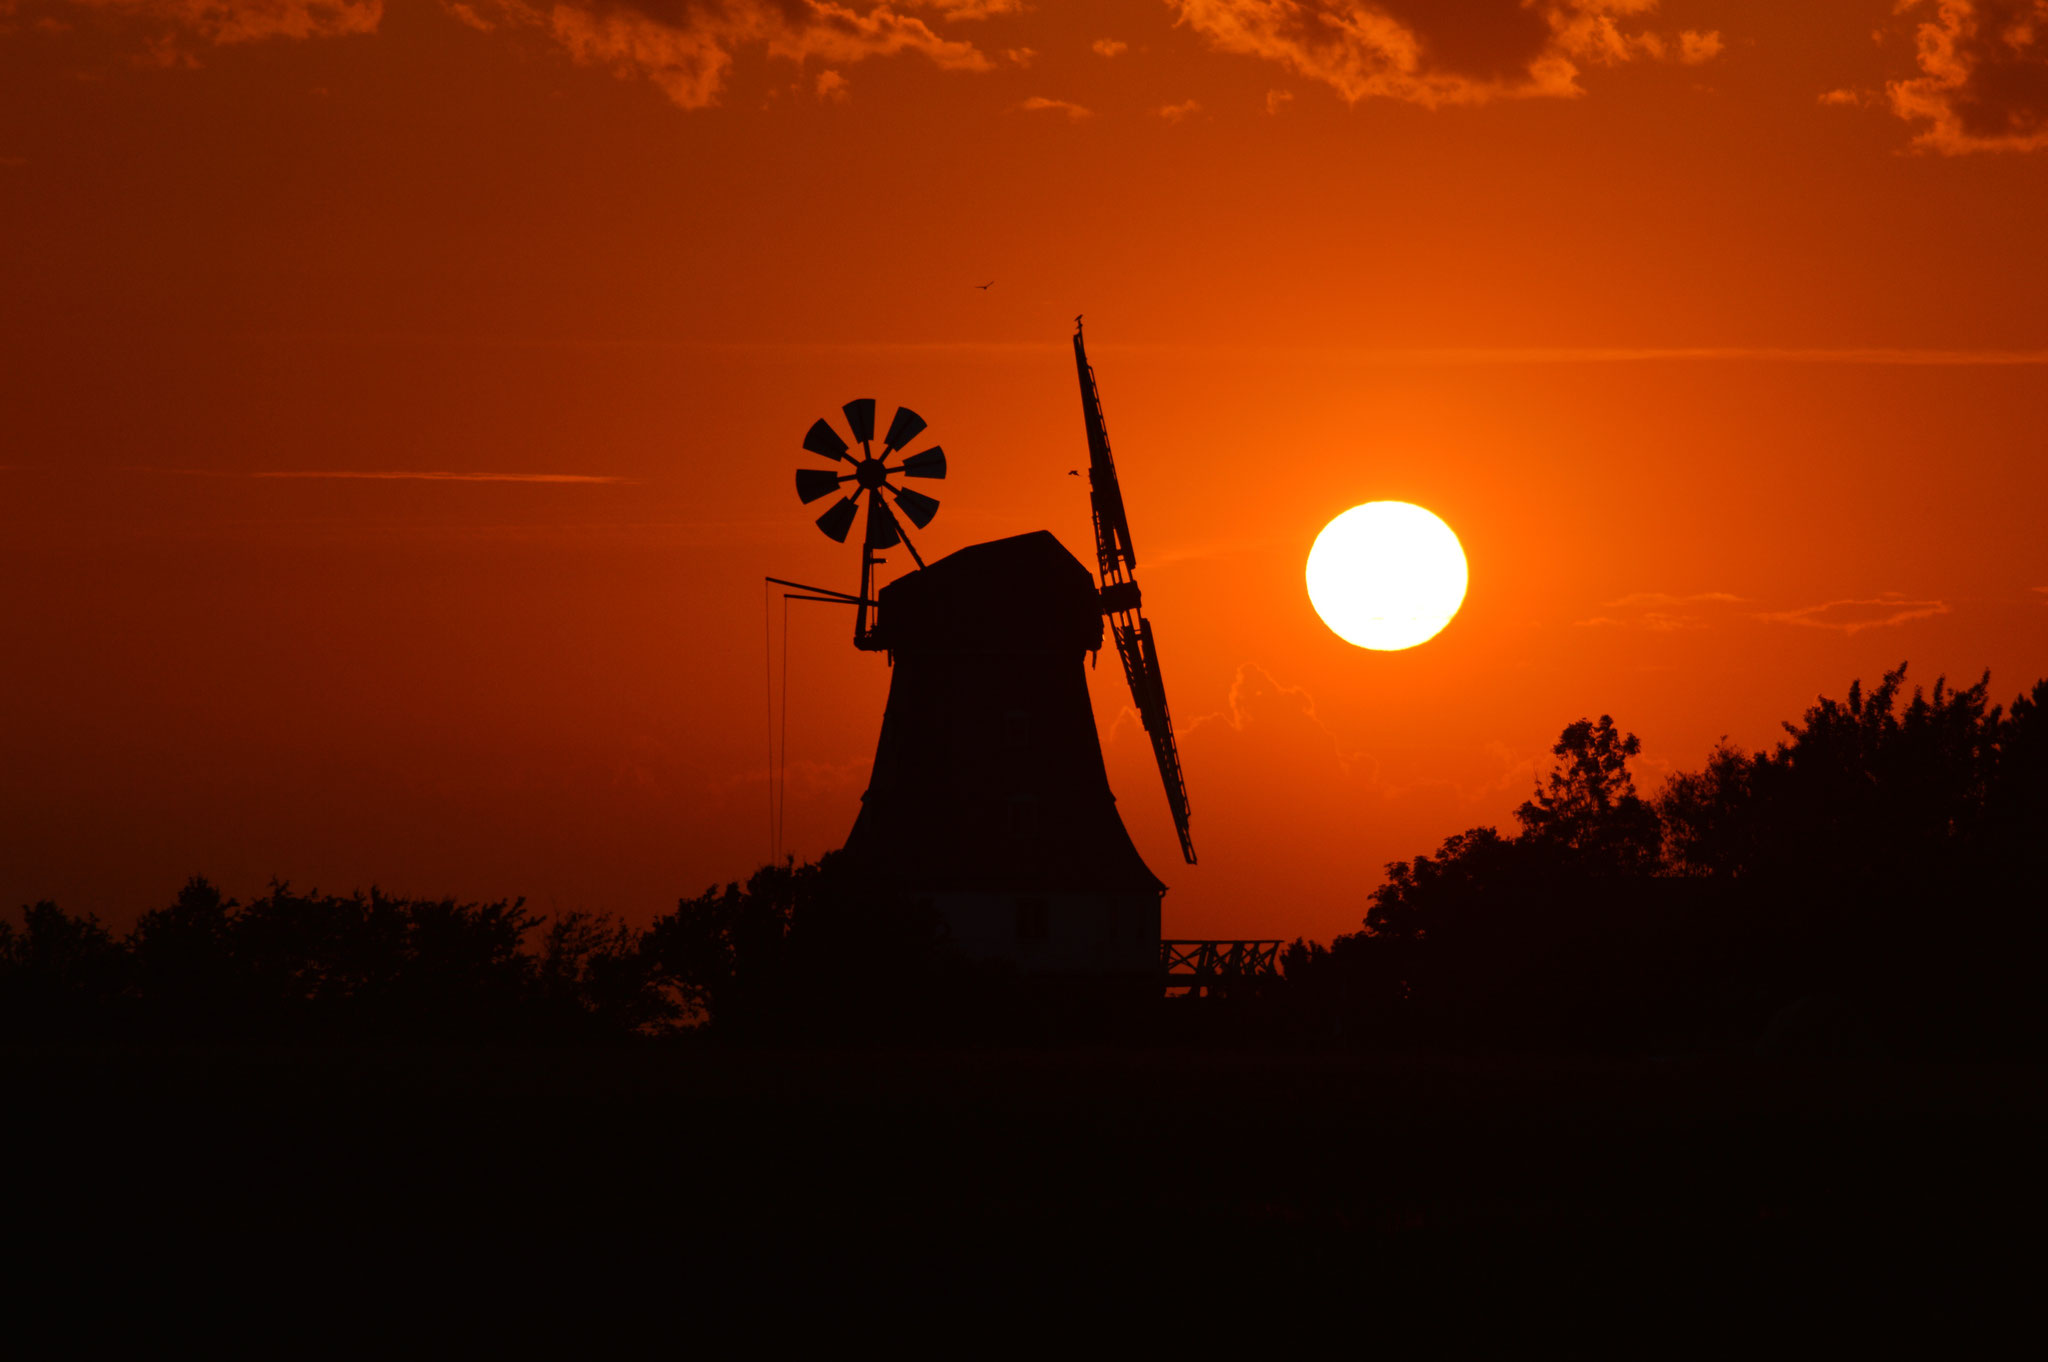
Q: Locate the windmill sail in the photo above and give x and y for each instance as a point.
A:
(1115, 561)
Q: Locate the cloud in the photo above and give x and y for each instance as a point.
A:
(1020, 56)
(1040, 104)
(1109, 47)
(832, 86)
(1854, 616)
(1257, 700)
(1764, 354)
(687, 49)
(437, 476)
(1643, 598)
(967, 9)
(1663, 613)
(1276, 100)
(242, 21)
(1984, 76)
(407, 475)
(1174, 113)
(1845, 99)
(1696, 48)
(466, 15)
(1437, 52)
(1658, 611)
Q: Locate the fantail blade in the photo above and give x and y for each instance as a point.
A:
(822, 439)
(860, 414)
(902, 430)
(919, 507)
(812, 483)
(837, 521)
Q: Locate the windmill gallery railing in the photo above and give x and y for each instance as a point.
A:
(1212, 968)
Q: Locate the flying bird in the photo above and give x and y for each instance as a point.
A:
(1073, 472)
(986, 287)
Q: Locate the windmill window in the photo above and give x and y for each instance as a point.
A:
(1034, 921)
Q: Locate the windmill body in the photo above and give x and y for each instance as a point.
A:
(989, 798)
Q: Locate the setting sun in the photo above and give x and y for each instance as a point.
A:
(1386, 575)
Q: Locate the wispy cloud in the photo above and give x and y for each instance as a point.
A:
(1318, 354)
(392, 475)
(1259, 701)
(966, 9)
(1856, 615)
(167, 29)
(1658, 611)
(1174, 113)
(1109, 47)
(686, 48)
(1040, 104)
(1664, 612)
(443, 476)
(464, 14)
(1658, 598)
(1880, 356)
(238, 21)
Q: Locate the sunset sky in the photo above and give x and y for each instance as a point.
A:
(398, 404)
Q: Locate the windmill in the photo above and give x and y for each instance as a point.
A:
(989, 800)
(1115, 561)
(870, 478)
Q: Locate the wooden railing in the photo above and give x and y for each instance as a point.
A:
(1211, 968)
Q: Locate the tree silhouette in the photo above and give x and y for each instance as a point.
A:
(1878, 868)
(1589, 806)
(60, 976)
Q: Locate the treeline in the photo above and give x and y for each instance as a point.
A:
(792, 955)
(321, 967)
(1876, 882)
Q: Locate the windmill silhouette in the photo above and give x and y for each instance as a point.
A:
(989, 798)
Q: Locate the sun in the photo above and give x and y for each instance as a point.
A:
(1386, 575)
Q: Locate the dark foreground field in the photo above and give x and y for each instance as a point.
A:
(717, 1176)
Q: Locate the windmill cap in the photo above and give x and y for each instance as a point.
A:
(1025, 594)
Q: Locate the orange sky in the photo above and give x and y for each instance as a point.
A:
(1717, 330)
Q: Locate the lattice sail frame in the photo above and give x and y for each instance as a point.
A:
(1116, 560)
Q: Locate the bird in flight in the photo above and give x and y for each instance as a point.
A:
(985, 287)
(1073, 472)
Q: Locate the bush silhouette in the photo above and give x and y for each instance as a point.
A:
(320, 967)
(1882, 863)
